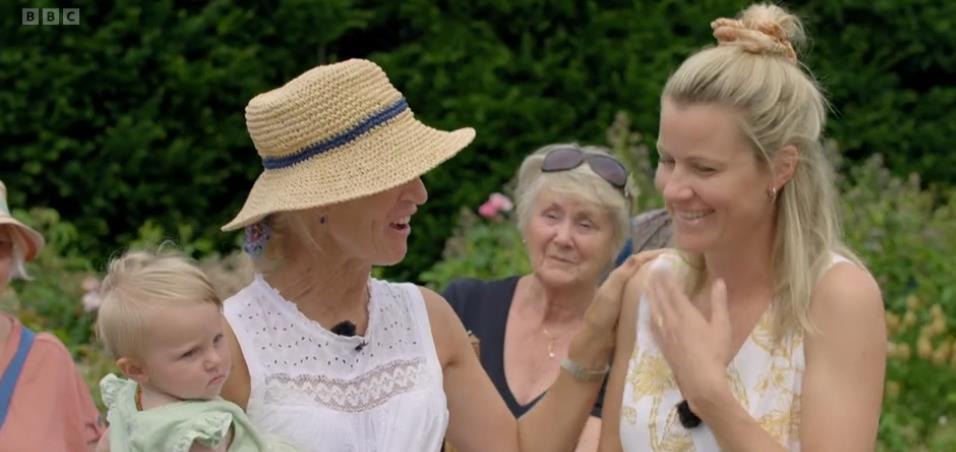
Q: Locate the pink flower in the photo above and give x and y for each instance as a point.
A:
(487, 210)
(91, 299)
(501, 202)
(90, 283)
(497, 203)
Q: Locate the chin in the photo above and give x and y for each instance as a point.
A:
(390, 260)
(695, 245)
(557, 279)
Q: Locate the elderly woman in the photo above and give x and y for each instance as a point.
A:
(572, 209)
(765, 333)
(44, 404)
(331, 359)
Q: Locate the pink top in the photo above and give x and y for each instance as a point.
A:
(51, 408)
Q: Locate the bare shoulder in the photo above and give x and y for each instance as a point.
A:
(636, 285)
(438, 308)
(846, 294)
(447, 331)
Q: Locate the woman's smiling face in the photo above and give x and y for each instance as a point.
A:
(709, 176)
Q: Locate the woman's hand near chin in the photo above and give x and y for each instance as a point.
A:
(602, 315)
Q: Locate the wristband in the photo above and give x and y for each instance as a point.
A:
(584, 375)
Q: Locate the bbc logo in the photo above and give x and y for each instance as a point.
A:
(50, 16)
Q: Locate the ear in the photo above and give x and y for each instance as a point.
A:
(785, 165)
(133, 369)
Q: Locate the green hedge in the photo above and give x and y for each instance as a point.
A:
(136, 114)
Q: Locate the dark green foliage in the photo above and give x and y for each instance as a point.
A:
(136, 114)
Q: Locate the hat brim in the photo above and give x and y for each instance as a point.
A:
(383, 158)
(30, 240)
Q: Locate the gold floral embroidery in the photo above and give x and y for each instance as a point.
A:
(629, 414)
(777, 423)
(775, 380)
(737, 386)
(674, 437)
(795, 417)
(650, 377)
(764, 379)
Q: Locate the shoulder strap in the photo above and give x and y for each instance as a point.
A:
(10, 376)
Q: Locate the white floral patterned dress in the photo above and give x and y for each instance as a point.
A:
(765, 378)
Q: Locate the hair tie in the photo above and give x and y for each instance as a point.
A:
(765, 37)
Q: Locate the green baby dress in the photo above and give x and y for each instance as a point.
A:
(174, 427)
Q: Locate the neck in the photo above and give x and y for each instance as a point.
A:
(325, 289)
(149, 397)
(746, 267)
(558, 306)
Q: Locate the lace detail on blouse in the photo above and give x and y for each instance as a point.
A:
(323, 391)
(361, 394)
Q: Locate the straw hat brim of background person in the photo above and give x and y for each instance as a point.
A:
(29, 240)
(336, 133)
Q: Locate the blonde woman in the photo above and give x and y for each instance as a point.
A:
(329, 358)
(764, 332)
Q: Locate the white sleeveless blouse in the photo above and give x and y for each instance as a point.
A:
(313, 388)
(765, 377)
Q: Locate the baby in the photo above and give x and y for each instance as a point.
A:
(160, 320)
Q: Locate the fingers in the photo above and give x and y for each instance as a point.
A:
(615, 282)
(667, 293)
(663, 315)
(646, 256)
(719, 315)
(606, 307)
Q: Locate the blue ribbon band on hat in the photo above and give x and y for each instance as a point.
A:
(338, 140)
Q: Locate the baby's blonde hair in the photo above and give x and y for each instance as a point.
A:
(139, 281)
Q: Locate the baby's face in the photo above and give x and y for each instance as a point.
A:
(186, 355)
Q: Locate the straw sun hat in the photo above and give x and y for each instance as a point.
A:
(336, 133)
(31, 241)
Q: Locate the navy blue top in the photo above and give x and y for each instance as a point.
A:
(483, 308)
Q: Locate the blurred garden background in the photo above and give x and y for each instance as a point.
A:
(127, 130)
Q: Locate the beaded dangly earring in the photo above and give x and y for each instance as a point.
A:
(257, 235)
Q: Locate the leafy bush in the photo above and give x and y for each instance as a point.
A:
(479, 248)
(136, 114)
(907, 237)
(51, 301)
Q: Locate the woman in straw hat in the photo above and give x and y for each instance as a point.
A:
(331, 359)
(44, 404)
(764, 333)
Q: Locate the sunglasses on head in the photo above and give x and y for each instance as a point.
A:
(568, 158)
